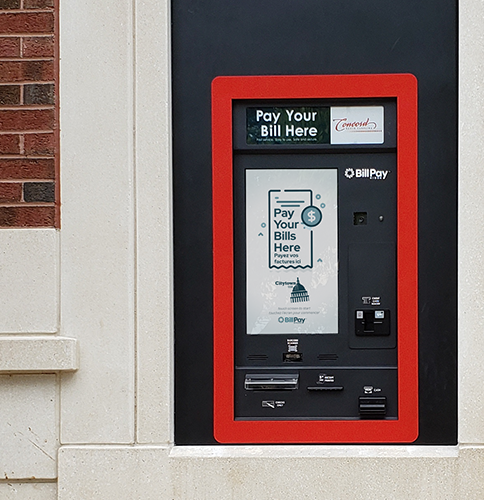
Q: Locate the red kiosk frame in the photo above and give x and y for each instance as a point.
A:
(225, 90)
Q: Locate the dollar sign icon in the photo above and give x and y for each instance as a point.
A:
(311, 216)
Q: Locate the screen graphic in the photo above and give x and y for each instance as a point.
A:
(292, 254)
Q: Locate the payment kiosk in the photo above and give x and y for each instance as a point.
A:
(315, 259)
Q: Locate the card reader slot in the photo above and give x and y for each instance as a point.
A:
(271, 382)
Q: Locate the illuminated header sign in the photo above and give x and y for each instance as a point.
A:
(294, 125)
(315, 125)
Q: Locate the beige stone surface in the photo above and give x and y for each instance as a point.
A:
(38, 354)
(29, 281)
(97, 236)
(117, 198)
(28, 491)
(154, 231)
(149, 473)
(28, 427)
(471, 228)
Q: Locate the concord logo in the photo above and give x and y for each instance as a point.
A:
(368, 173)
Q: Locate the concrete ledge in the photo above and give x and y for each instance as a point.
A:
(36, 354)
(153, 473)
(314, 451)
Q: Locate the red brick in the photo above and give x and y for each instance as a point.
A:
(9, 46)
(39, 144)
(10, 95)
(9, 144)
(26, 169)
(10, 192)
(38, 46)
(26, 216)
(38, 4)
(23, 22)
(9, 4)
(39, 192)
(11, 71)
(26, 119)
(38, 93)
(29, 71)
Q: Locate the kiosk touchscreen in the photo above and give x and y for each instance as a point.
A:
(315, 259)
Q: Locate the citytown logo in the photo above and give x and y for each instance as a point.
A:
(343, 124)
(367, 173)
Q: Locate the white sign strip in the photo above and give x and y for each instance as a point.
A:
(357, 125)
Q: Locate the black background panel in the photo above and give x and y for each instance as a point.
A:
(212, 38)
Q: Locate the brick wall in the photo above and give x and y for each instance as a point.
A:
(29, 194)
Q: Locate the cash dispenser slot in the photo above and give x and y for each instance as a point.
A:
(271, 382)
(372, 407)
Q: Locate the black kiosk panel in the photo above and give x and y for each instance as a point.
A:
(217, 38)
